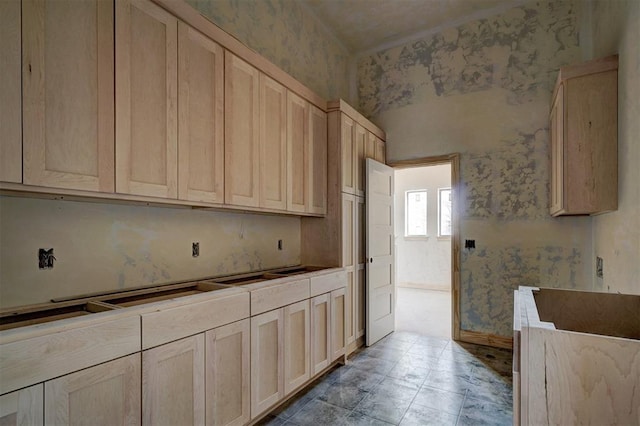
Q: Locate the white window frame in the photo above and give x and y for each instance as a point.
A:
(440, 192)
(407, 233)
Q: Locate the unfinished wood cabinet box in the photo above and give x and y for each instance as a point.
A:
(584, 139)
(576, 357)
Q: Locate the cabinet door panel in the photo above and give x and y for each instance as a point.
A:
(339, 313)
(359, 305)
(201, 117)
(173, 390)
(273, 144)
(297, 329)
(23, 407)
(107, 394)
(68, 94)
(317, 164)
(349, 241)
(381, 152)
(360, 146)
(320, 333)
(146, 97)
(267, 359)
(297, 153)
(347, 141)
(350, 301)
(228, 374)
(372, 143)
(10, 84)
(557, 154)
(241, 132)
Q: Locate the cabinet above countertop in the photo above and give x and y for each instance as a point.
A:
(144, 118)
(584, 139)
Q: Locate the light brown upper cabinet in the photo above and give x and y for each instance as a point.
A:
(317, 164)
(347, 141)
(360, 154)
(584, 139)
(146, 100)
(200, 117)
(242, 120)
(297, 153)
(273, 144)
(375, 148)
(68, 109)
(11, 105)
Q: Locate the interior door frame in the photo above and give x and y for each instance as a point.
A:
(454, 160)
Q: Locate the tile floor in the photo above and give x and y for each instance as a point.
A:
(423, 311)
(408, 379)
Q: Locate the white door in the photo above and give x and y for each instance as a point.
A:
(381, 304)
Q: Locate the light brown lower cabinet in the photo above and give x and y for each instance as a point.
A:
(173, 391)
(339, 310)
(227, 374)
(267, 359)
(23, 407)
(106, 394)
(320, 333)
(297, 339)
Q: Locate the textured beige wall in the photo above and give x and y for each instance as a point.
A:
(108, 247)
(616, 235)
(284, 32)
(483, 89)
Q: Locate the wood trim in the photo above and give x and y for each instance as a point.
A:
(188, 14)
(28, 191)
(486, 339)
(343, 106)
(424, 161)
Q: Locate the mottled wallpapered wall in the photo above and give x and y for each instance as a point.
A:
(102, 247)
(286, 34)
(616, 29)
(483, 89)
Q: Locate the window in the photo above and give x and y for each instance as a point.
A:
(444, 212)
(416, 213)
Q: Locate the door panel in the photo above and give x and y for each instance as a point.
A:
(68, 94)
(273, 144)
(201, 117)
(242, 150)
(23, 407)
(173, 391)
(380, 309)
(297, 328)
(146, 97)
(104, 394)
(228, 374)
(10, 87)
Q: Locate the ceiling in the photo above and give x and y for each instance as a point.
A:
(363, 25)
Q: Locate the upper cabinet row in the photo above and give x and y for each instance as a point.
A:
(189, 120)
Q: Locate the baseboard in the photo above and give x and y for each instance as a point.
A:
(486, 339)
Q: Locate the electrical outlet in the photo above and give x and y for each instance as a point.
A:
(195, 249)
(279, 244)
(45, 258)
(469, 244)
(599, 267)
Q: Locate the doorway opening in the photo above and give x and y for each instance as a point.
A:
(426, 230)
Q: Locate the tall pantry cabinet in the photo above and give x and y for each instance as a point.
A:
(339, 239)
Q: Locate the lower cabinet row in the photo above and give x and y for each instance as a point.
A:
(225, 376)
